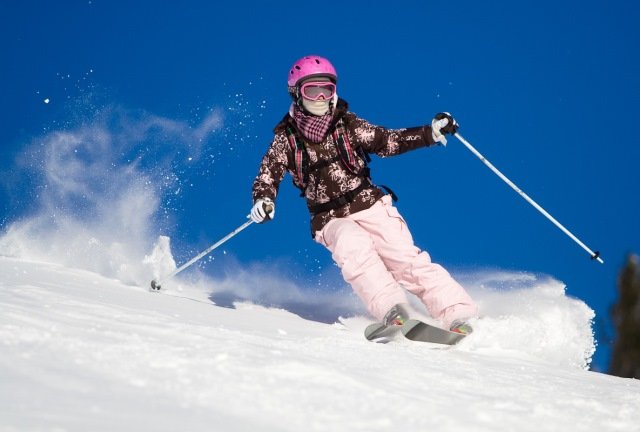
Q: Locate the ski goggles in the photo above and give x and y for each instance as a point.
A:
(315, 90)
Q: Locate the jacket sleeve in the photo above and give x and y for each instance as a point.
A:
(272, 169)
(390, 142)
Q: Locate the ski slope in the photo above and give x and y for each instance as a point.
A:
(82, 352)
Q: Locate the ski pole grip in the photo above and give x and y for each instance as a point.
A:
(268, 209)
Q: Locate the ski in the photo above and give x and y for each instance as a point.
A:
(419, 331)
(381, 333)
(414, 330)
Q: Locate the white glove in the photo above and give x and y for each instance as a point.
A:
(263, 210)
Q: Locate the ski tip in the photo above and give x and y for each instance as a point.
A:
(155, 286)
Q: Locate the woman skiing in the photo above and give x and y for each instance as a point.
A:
(325, 147)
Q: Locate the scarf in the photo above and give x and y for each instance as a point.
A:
(314, 128)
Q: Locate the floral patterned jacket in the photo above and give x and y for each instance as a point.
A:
(334, 180)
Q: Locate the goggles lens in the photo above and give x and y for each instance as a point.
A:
(318, 90)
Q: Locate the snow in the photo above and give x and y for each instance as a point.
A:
(84, 346)
(80, 351)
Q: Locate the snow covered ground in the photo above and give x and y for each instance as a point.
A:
(84, 346)
(82, 352)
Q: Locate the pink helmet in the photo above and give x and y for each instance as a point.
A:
(310, 66)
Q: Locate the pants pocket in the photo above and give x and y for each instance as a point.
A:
(393, 213)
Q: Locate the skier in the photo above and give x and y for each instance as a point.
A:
(325, 147)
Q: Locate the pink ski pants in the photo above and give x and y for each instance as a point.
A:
(377, 256)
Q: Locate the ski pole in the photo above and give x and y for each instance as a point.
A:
(156, 285)
(594, 255)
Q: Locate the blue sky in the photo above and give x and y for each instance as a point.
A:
(545, 90)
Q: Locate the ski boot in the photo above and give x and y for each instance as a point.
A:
(461, 326)
(397, 315)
